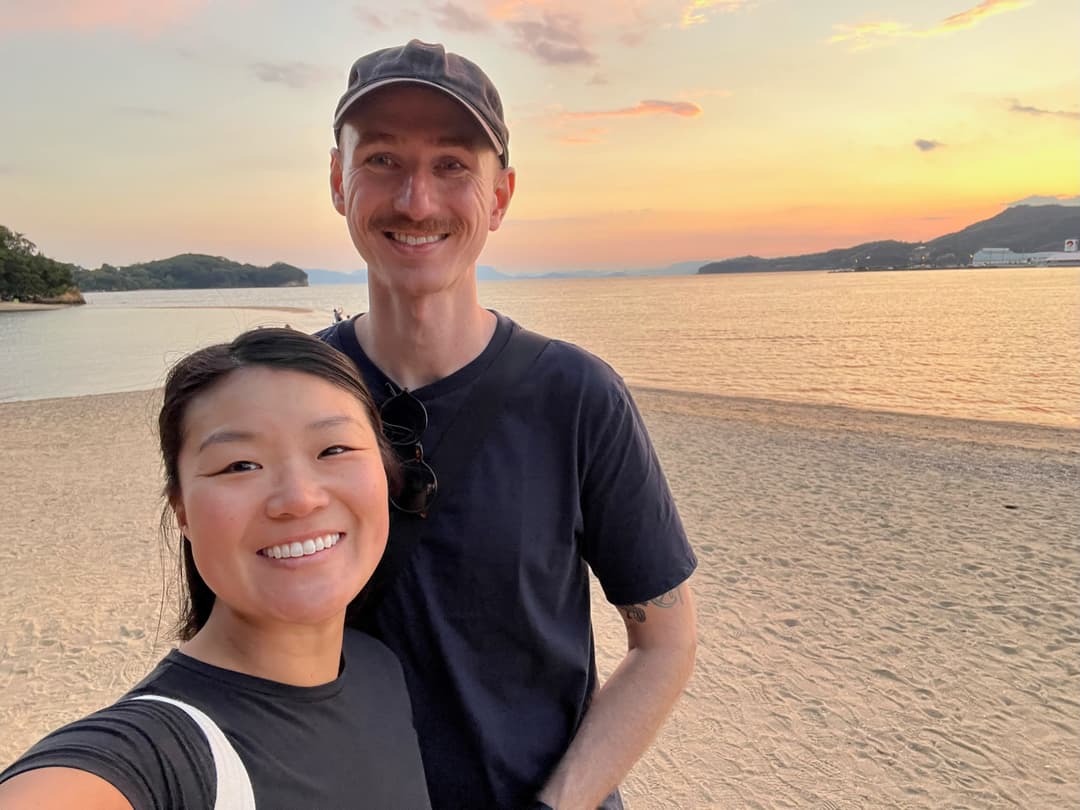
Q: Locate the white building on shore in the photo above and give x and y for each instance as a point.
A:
(1003, 257)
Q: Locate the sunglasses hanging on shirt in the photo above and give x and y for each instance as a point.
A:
(404, 420)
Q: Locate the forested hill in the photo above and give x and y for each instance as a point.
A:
(1022, 228)
(28, 276)
(189, 271)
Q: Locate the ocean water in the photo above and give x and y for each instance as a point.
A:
(990, 344)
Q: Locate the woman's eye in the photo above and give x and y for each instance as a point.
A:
(239, 467)
(334, 450)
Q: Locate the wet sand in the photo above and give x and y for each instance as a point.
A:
(887, 604)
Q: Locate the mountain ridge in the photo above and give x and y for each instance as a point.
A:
(1022, 228)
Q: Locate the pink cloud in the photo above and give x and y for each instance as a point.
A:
(147, 18)
(684, 109)
(987, 8)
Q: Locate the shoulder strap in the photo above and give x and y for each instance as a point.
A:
(234, 790)
(459, 443)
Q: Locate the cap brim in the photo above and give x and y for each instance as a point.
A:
(363, 91)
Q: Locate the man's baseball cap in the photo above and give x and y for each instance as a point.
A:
(426, 64)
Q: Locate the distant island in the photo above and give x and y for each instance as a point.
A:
(189, 271)
(28, 277)
(1022, 228)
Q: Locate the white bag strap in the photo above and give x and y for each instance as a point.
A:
(233, 783)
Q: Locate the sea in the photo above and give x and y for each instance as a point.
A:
(984, 344)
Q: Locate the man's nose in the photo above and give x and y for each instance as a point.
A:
(297, 492)
(415, 196)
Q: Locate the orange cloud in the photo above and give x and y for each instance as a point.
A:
(869, 35)
(87, 15)
(697, 12)
(987, 8)
(685, 109)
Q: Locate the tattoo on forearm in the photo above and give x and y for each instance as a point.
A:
(636, 613)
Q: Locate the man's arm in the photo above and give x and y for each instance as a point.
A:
(626, 713)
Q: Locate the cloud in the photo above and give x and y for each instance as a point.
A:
(369, 18)
(139, 16)
(453, 17)
(142, 112)
(872, 34)
(1046, 200)
(557, 39)
(296, 75)
(599, 80)
(699, 11)
(971, 17)
(684, 109)
(1017, 107)
(924, 145)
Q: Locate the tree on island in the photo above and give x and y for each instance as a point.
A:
(27, 275)
(189, 271)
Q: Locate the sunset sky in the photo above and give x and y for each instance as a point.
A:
(643, 132)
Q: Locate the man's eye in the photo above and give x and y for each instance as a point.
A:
(381, 161)
(452, 165)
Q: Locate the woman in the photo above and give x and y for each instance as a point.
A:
(276, 473)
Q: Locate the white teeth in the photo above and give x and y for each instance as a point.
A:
(304, 549)
(408, 239)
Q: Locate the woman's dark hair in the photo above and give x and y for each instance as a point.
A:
(197, 373)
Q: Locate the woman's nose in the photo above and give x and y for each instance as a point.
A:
(297, 492)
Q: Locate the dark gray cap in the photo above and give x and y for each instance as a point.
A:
(422, 63)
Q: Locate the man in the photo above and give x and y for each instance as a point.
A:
(490, 612)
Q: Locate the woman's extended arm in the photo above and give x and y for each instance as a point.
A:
(60, 789)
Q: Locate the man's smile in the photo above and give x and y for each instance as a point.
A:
(415, 239)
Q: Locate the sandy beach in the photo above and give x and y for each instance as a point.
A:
(888, 604)
(18, 306)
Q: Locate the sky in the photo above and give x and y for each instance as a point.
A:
(643, 132)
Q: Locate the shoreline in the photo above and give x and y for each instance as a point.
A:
(818, 415)
(18, 306)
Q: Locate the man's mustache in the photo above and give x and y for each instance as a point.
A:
(420, 227)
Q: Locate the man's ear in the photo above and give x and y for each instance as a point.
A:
(504, 192)
(336, 194)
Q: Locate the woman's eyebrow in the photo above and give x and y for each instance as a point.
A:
(333, 421)
(225, 436)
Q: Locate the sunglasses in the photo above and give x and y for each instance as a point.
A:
(404, 420)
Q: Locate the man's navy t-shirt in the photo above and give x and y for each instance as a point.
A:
(491, 615)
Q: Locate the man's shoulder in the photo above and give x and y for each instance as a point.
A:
(571, 362)
(332, 334)
(566, 370)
